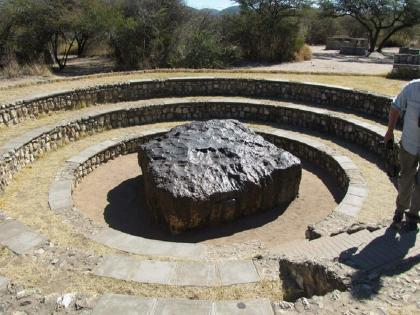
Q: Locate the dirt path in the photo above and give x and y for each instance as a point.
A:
(330, 61)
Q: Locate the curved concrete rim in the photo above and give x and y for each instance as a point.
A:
(60, 198)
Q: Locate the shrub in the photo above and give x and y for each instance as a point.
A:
(304, 53)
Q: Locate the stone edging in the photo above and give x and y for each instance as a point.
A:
(25, 149)
(181, 273)
(111, 304)
(60, 195)
(19, 238)
(315, 94)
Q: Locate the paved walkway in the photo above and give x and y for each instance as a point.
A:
(18, 237)
(120, 304)
(3, 283)
(363, 250)
(203, 274)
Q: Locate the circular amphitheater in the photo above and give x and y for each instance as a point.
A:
(73, 239)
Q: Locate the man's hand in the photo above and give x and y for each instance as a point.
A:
(389, 136)
(394, 114)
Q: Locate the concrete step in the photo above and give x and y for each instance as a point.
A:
(200, 274)
(18, 237)
(111, 304)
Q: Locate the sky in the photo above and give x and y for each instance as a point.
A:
(212, 4)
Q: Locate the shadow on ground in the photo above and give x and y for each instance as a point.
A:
(86, 66)
(385, 256)
(127, 207)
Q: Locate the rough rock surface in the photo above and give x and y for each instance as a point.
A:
(205, 173)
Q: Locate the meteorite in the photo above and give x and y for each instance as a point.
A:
(211, 172)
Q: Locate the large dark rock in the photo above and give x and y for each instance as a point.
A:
(210, 172)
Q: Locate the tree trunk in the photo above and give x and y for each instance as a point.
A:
(61, 62)
(388, 36)
(81, 44)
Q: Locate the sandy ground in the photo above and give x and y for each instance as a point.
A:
(113, 196)
(326, 67)
(330, 61)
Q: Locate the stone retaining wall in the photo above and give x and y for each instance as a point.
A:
(24, 151)
(314, 94)
(407, 65)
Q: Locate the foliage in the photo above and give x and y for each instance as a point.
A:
(200, 43)
(91, 20)
(380, 18)
(166, 33)
(142, 33)
(268, 30)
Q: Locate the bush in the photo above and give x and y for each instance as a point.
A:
(12, 69)
(279, 44)
(304, 54)
(142, 33)
(200, 44)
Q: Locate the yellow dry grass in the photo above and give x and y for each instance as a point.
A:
(377, 84)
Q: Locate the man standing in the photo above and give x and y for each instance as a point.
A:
(407, 104)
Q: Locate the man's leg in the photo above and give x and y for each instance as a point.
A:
(408, 164)
(413, 213)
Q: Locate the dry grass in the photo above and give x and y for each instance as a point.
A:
(304, 54)
(14, 70)
(51, 279)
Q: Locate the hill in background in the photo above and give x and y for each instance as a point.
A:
(230, 10)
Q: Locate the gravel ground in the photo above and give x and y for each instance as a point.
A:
(330, 61)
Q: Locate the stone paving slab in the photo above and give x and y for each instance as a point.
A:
(201, 274)
(195, 274)
(237, 272)
(18, 237)
(253, 307)
(122, 304)
(60, 195)
(141, 246)
(3, 284)
(184, 307)
(113, 304)
(363, 250)
(385, 248)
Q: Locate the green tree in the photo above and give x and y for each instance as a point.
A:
(91, 19)
(380, 18)
(269, 30)
(141, 35)
(200, 43)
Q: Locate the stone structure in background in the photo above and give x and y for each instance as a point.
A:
(207, 173)
(348, 45)
(407, 64)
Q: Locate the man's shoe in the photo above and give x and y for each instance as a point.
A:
(411, 226)
(397, 220)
